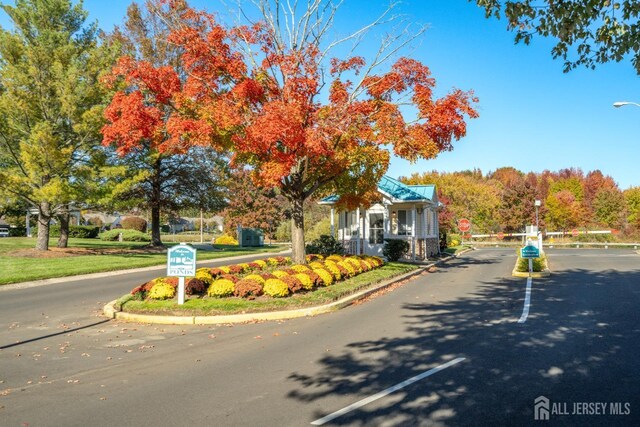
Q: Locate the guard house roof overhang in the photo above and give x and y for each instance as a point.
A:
(395, 192)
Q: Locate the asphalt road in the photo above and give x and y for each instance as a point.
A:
(59, 366)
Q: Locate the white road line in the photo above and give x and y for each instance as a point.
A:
(386, 392)
(527, 302)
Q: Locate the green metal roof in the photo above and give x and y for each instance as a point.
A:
(398, 191)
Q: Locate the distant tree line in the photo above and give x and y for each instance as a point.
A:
(503, 200)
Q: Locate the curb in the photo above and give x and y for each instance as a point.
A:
(43, 282)
(535, 274)
(110, 311)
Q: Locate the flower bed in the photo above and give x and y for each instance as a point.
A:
(274, 277)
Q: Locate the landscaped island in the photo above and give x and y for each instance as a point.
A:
(264, 285)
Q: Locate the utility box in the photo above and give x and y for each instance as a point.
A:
(250, 237)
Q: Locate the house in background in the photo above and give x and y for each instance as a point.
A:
(407, 212)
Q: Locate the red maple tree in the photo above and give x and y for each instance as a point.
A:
(249, 92)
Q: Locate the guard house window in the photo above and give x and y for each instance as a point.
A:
(404, 223)
(376, 228)
(350, 224)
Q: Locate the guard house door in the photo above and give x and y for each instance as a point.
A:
(375, 233)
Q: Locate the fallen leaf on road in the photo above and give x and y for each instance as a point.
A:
(257, 337)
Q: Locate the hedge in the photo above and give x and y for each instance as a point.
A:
(79, 231)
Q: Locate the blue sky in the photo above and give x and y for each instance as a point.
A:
(532, 116)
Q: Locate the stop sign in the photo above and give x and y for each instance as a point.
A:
(464, 225)
(500, 235)
(575, 232)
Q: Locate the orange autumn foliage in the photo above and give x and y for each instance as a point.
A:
(244, 91)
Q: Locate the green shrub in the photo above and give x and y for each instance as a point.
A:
(453, 240)
(79, 231)
(394, 249)
(161, 290)
(17, 232)
(134, 223)
(127, 236)
(538, 264)
(325, 245)
(442, 240)
(276, 288)
(221, 288)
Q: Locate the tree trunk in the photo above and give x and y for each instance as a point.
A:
(44, 216)
(297, 231)
(155, 224)
(155, 202)
(63, 240)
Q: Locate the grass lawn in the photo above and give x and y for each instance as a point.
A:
(235, 305)
(19, 263)
(455, 249)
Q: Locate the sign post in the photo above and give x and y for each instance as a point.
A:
(530, 252)
(464, 225)
(181, 263)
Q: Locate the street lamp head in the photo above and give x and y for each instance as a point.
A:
(619, 104)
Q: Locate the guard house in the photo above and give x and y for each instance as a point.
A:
(408, 212)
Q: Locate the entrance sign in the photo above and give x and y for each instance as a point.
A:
(181, 263)
(529, 252)
(464, 225)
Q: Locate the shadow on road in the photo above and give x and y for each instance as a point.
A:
(66, 331)
(580, 344)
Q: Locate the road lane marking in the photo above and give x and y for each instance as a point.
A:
(527, 302)
(386, 392)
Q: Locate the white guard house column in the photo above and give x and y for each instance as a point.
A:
(332, 225)
(413, 233)
(358, 232)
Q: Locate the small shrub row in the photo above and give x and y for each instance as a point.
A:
(127, 235)
(274, 277)
(79, 231)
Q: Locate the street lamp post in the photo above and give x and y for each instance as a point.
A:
(537, 203)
